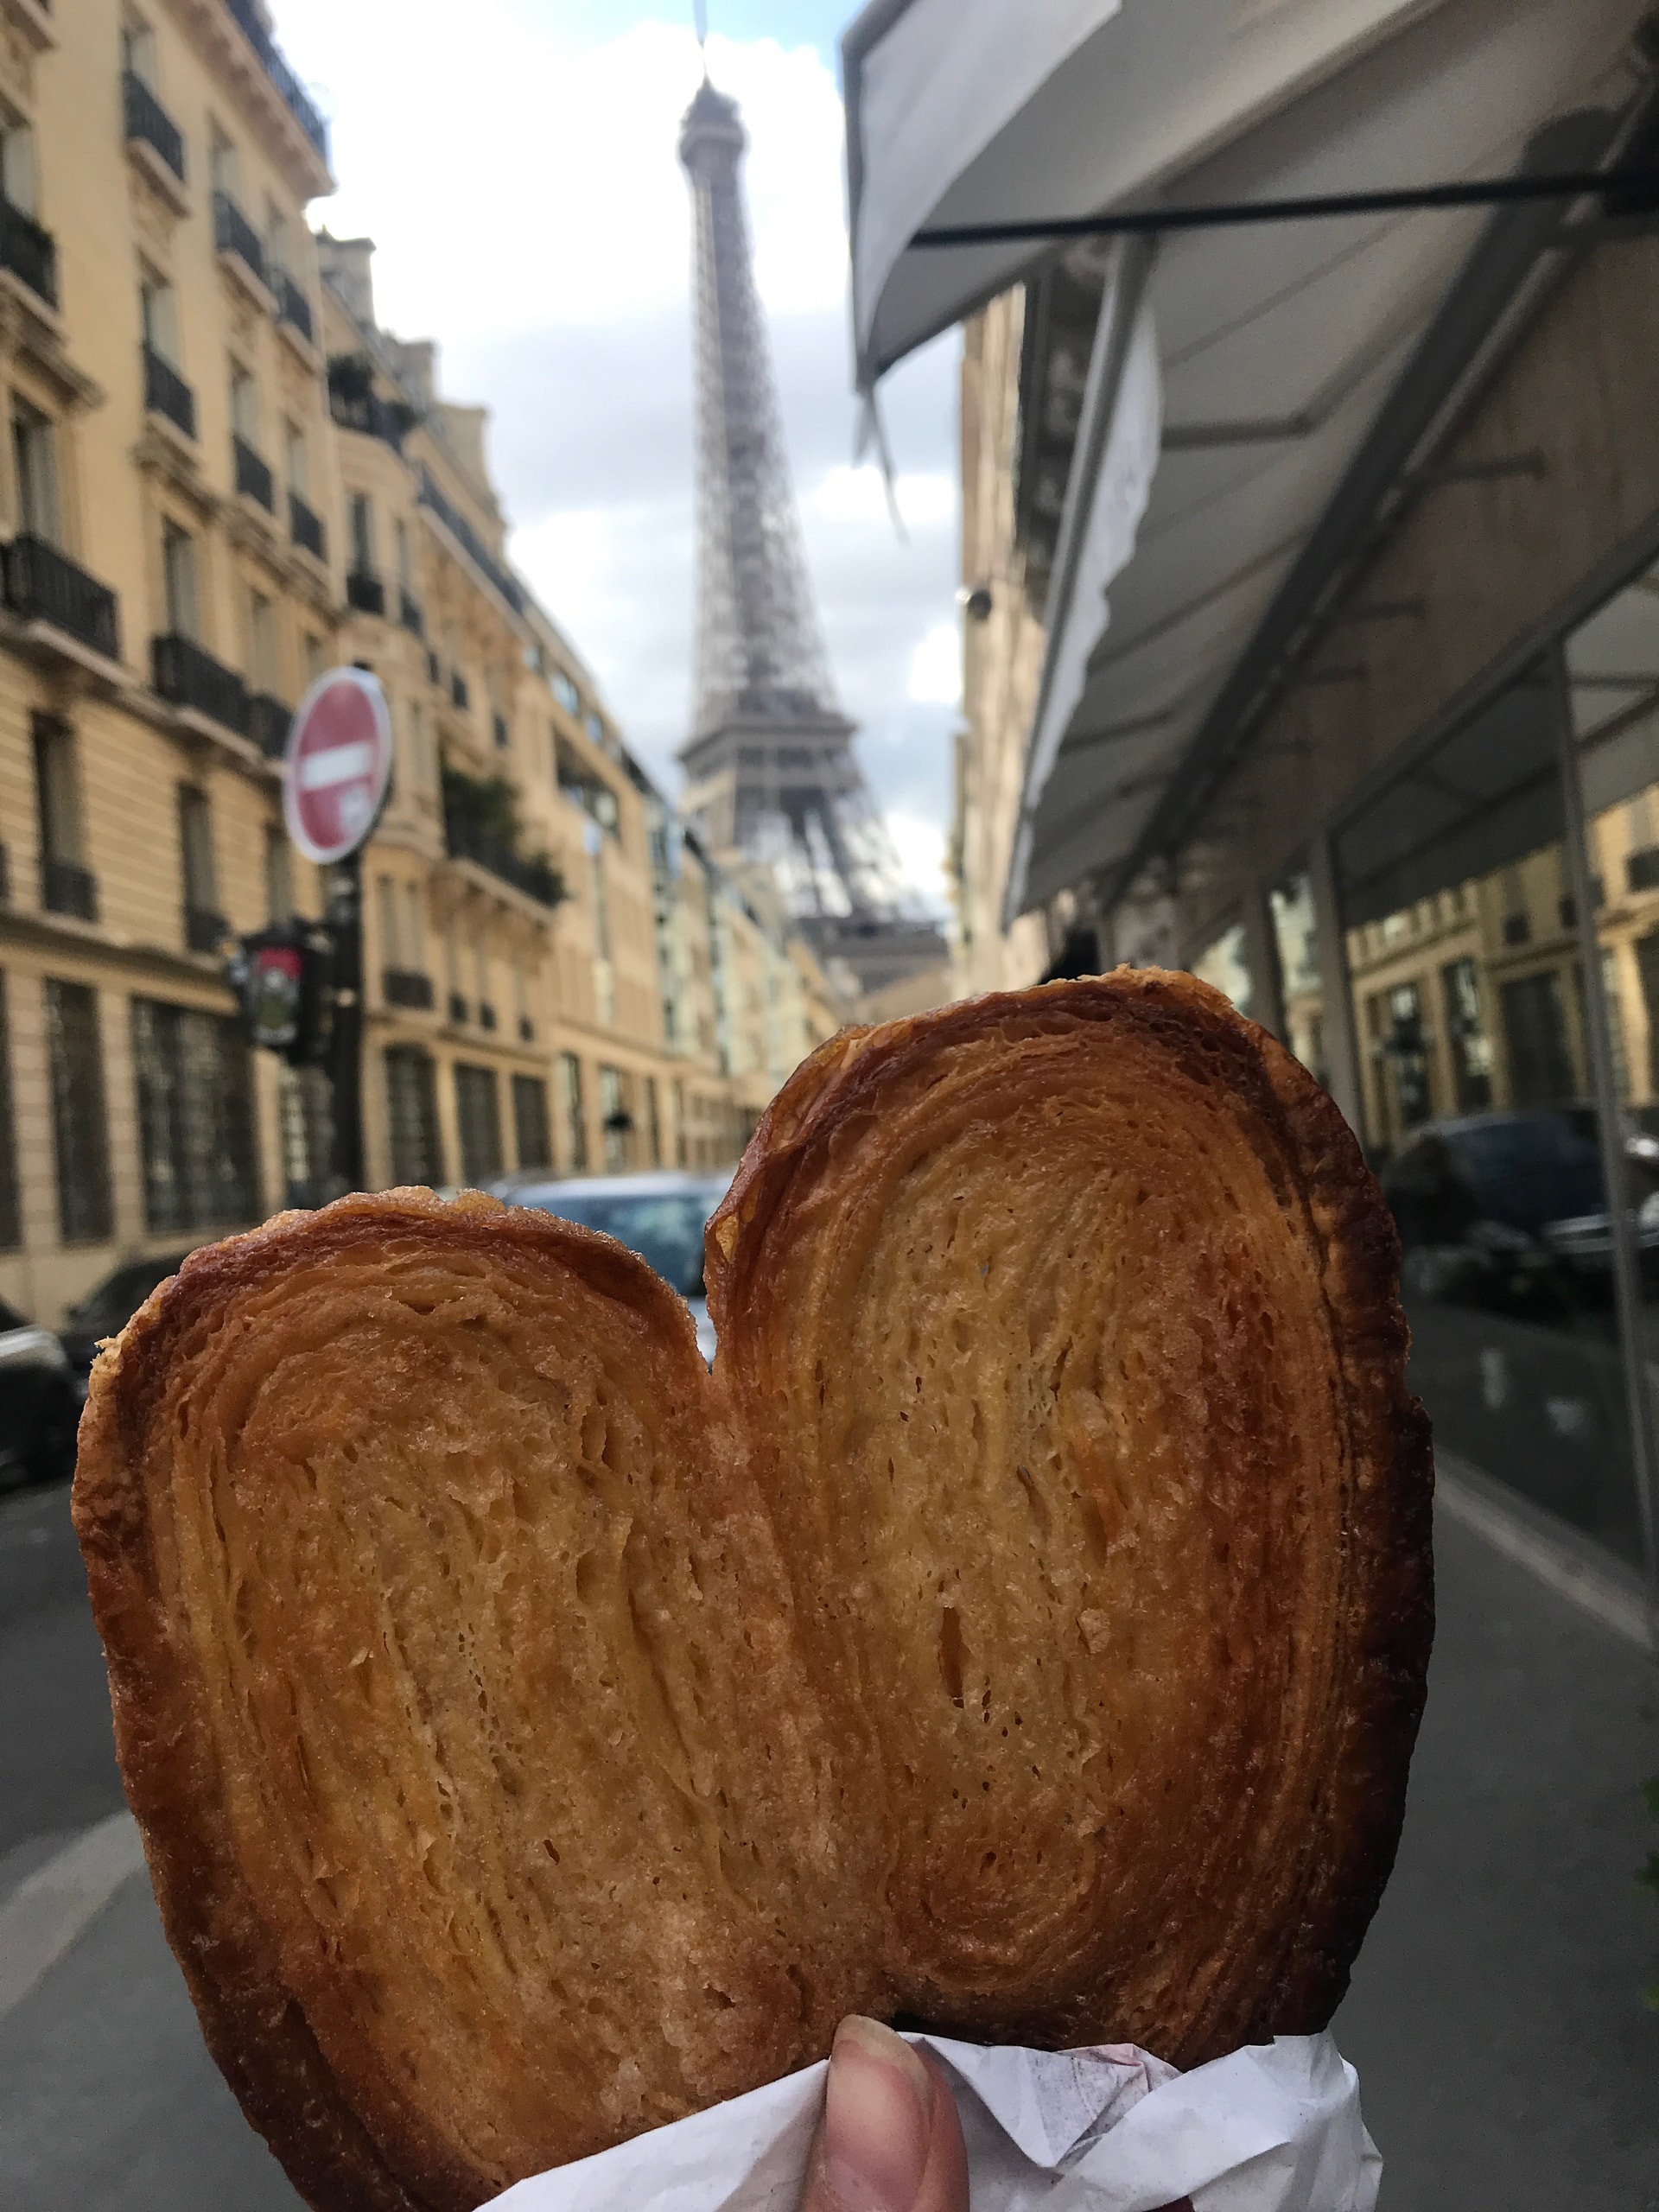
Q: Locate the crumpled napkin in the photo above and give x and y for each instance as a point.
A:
(1275, 2127)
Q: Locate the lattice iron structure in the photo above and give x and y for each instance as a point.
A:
(772, 777)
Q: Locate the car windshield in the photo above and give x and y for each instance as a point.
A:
(666, 1230)
(112, 1303)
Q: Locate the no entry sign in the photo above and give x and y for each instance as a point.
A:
(339, 763)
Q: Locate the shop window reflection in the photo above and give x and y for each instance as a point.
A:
(1295, 940)
(1226, 963)
(1479, 1112)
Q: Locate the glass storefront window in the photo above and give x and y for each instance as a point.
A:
(1226, 963)
(1296, 938)
(1479, 1105)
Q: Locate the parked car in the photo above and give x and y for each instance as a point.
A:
(661, 1217)
(1507, 1211)
(108, 1305)
(39, 1403)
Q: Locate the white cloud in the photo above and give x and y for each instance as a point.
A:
(920, 846)
(525, 192)
(936, 666)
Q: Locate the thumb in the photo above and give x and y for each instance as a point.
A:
(889, 2140)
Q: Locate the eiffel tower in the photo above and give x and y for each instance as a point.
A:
(772, 778)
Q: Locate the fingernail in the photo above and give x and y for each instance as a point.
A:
(877, 2110)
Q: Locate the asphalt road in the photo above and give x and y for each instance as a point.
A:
(1506, 2059)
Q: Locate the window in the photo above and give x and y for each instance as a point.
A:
(575, 1120)
(414, 927)
(481, 980)
(615, 1120)
(262, 670)
(226, 169)
(422, 769)
(477, 1120)
(158, 307)
(602, 902)
(412, 1115)
(1465, 1030)
(33, 457)
(390, 935)
(57, 791)
(406, 557)
(296, 459)
(1533, 1012)
(178, 579)
(362, 534)
(16, 162)
(275, 235)
(195, 1117)
(79, 1132)
(245, 405)
(305, 1116)
(11, 1212)
(138, 53)
(530, 1125)
(316, 656)
(279, 876)
(204, 925)
(565, 692)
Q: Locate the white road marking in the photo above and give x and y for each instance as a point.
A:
(51, 1908)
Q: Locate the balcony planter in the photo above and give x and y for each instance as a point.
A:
(482, 824)
(44, 585)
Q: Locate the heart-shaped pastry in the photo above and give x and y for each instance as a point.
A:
(537, 1738)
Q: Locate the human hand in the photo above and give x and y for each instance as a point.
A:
(889, 2139)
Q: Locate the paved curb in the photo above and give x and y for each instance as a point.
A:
(52, 1907)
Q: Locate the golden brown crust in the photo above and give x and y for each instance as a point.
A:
(1026, 1634)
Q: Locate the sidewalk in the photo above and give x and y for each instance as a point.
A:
(1507, 2061)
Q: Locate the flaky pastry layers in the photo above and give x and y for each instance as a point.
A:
(535, 1739)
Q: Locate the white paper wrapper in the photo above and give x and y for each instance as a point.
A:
(1273, 2128)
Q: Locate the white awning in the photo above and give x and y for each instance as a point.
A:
(1276, 346)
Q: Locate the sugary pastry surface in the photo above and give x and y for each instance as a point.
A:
(1022, 1630)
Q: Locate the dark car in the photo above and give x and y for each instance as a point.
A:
(39, 1403)
(1509, 1211)
(108, 1305)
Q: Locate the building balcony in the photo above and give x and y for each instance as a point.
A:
(470, 544)
(293, 308)
(407, 986)
(370, 417)
(267, 723)
(167, 394)
(28, 253)
(253, 478)
(66, 888)
(410, 614)
(282, 76)
(366, 593)
(190, 677)
(240, 247)
(458, 691)
(149, 126)
(43, 585)
(305, 527)
(205, 929)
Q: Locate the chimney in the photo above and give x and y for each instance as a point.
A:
(348, 265)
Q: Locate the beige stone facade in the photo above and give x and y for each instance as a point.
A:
(222, 478)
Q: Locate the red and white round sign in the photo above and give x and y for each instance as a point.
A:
(339, 763)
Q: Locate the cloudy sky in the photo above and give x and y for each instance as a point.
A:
(528, 211)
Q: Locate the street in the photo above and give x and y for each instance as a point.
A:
(1497, 2019)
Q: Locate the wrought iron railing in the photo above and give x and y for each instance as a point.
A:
(267, 723)
(406, 987)
(190, 677)
(292, 306)
(305, 526)
(147, 119)
(167, 393)
(234, 233)
(458, 528)
(66, 888)
(29, 251)
(205, 929)
(277, 68)
(366, 593)
(409, 613)
(253, 477)
(44, 585)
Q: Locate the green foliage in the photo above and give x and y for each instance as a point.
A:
(351, 376)
(482, 823)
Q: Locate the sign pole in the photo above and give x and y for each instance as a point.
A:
(346, 1057)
